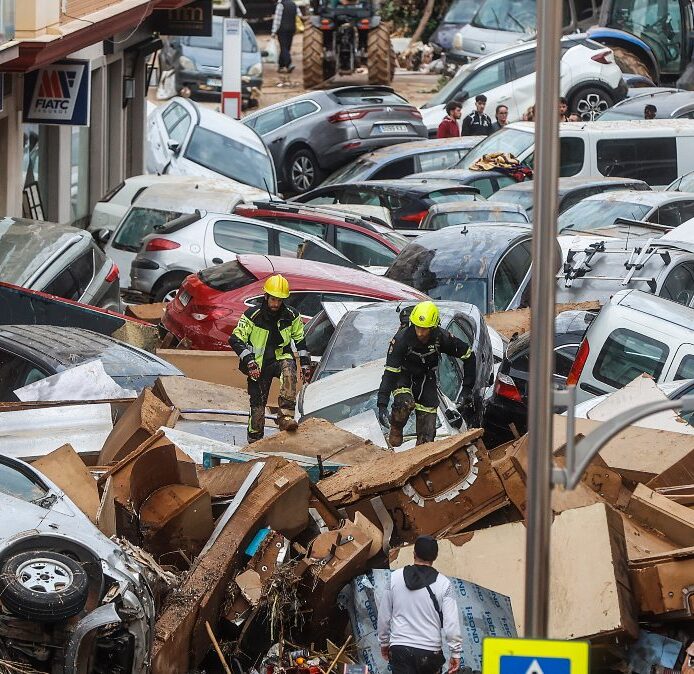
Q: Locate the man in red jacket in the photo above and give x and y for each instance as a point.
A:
(449, 126)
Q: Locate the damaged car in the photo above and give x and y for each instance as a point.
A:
(71, 599)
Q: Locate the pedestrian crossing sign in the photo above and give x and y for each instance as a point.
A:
(534, 656)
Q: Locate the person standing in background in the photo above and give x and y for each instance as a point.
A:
(284, 27)
(448, 128)
(501, 117)
(477, 123)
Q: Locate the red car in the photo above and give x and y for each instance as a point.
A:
(361, 240)
(208, 304)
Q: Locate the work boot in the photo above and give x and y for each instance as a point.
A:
(287, 424)
(395, 435)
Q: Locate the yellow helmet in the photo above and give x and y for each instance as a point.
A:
(425, 315)
(277, 286)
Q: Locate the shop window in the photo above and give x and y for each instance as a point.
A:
(79, 176)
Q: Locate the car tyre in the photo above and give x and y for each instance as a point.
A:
(590, 102)
(43, 586)
(167, 290)
(312, 62)
(303, 172)
(379, 55)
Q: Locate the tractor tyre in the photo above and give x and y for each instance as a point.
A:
(312, 57)
(628, 62)
(379, 56)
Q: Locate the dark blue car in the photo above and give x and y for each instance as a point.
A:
(459, 14)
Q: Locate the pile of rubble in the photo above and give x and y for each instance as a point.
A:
(274, 555)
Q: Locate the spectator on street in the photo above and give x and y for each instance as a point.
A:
(477, 123)
(284, 27)
(650, 111)
(417, 605)
(449, 124)
(574, 117)
(563, 109)
(501, 118)
(529, 114)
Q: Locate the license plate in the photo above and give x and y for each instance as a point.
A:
(184, 298)
(394, 128)
(214, 82)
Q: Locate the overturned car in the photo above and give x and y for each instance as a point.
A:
(71, 600)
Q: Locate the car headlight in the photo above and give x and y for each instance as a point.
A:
(458, 41)
(256, 70)
(186, 63)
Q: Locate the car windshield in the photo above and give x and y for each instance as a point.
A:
(138, 224)
(686, 184)
(441, 220)
(214, 41)
(510, 140)
(230, 158)
(445, 93)
(461, 11)
(355, 169)
(523, 198)
(598, 213)
(20, 485)
(519, 16)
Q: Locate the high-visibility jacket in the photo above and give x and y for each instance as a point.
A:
(250, 336)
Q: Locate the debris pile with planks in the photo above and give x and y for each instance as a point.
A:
(276, 554)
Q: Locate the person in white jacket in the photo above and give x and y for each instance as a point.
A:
(418, 605)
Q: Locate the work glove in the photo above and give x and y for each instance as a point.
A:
(253, 370)
(383, 416)
(305, 373)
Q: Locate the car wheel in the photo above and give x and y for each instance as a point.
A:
(304, 172)
(43, 586)
(590, 102)
(167, 290)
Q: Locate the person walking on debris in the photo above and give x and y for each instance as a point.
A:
(262, 339)
(415, 608)
(448, 128)
(284, 27)
(477, 123)
(410, 373)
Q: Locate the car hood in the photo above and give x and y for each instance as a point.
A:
(483, 41)
(444, 34)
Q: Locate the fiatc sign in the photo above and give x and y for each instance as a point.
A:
(58, 94)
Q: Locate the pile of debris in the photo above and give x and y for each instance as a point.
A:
(274, 556)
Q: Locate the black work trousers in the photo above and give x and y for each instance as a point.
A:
(408, 660)
(259, 389)
(418, 394)
(285, 38)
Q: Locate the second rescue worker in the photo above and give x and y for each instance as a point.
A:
(410, 373)
(262, 339)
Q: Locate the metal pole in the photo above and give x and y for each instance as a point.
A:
(549, 14)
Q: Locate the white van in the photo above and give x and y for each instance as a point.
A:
(656, 151)
(634, 333)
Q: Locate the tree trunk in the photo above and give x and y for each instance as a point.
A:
(426, 15)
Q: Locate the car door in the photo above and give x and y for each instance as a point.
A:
(522, 78)
(494, 81)
(268, 125)
(167, 133)
(225, 239)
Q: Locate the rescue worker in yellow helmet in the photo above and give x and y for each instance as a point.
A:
(410, 373)
(262, 339)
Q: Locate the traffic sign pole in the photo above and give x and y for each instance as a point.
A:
(549, 14)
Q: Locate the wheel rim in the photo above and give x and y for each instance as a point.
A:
(170, 295)
(303, 173)
(45, 575)
(590, 106)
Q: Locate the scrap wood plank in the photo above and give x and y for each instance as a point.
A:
(659, 512)
(181, 639)
(393, 470)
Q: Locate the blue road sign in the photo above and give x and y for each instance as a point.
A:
(523, 664)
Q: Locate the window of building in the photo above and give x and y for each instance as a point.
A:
(653, 160)
(7, 18)
(79, 176)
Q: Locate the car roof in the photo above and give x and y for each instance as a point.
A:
(64, 347)
(466, 206)
(421, 146)
(216, 196)
(646, 197)
(644, 126)
(29, 244)
(567, 184)
(419, 186)
(266, 265)
(667, 102)
(455, 174)
(324, 213)
(656, 307)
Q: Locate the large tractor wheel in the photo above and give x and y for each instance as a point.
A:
(628, 62)
(379, 56)
(312, 57)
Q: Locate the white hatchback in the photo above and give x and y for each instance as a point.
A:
(590, 80)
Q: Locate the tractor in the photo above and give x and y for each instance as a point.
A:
(343, 35)
(649, 37)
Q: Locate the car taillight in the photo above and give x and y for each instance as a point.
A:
(113, 274)
(578, 364)
(210, 313)
(161, 244)
(347, 115)
(364, 24)
(604, 57)
(415, 217)
(416, 113)
(505, 387)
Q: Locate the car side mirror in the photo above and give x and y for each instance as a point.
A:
(173, 145)
(102, 236)
(454, 418)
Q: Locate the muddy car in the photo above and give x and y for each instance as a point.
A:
(71, 599)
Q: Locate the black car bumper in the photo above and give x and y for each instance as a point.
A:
(499, 414)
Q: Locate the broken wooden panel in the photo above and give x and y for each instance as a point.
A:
(642, 541)
(139, 423)
(149, 313)
(658, 512)
(65, 468)
(517, 321)
(181, 640)
(663, 584)
(589, 592)
(679, 473)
